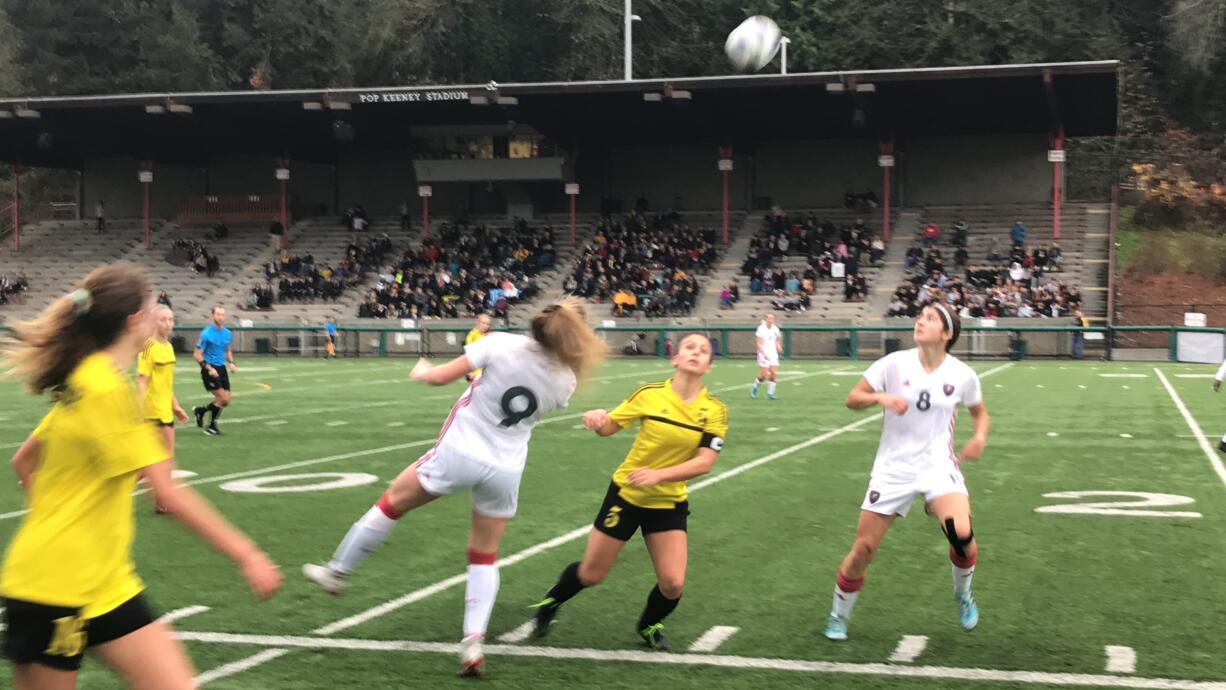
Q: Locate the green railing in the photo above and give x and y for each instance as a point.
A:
(799, 342)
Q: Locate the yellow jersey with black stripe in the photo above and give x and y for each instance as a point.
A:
(73, 548)
(670, 433)
(473, 336)
(157, 363)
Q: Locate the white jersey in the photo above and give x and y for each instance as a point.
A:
(921, 441)
(770, 336)
(520, 384)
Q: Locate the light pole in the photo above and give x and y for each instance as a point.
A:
(783, 49)
(627, 58)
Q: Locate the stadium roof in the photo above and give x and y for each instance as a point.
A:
(189, 128)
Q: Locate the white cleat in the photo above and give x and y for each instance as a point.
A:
(329, 580)
(472, 659)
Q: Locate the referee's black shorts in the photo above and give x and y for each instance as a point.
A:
(620, 518)
(219, 383)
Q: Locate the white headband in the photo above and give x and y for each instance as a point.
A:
(949, 320)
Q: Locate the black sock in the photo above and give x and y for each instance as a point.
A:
(568, 584)
(214, 412)
(657, 609)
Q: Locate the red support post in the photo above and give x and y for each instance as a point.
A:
(1057, 194)
(282, 175)
(725, 168)
(887, 155)
(573, 240)
(425, 217)
(16, 208)
(146, 181)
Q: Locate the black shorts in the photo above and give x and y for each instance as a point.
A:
(221, 383)
(620, 518)
(56, 636)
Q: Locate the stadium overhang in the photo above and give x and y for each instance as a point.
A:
(319, 124)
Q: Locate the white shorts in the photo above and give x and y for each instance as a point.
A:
(895, 498)
(767, 360)
(495, 491)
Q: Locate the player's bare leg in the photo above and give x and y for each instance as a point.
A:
(953, 514)
(370, 531)
(669, 555)
(870, 531)
(482, 590)
(598, 559)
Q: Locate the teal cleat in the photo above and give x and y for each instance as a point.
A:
(753, 391)
(771, 396)
(836, 628)
(968, 612)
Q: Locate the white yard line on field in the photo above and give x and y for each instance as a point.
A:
(282, 644)
(578, 532)
(713, 638)
(1121, 659)
(1214, 460)
(909, 648)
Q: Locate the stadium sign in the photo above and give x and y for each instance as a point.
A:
(413, 96)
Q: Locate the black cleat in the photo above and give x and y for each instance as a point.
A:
(212, 430)
(1222, 445)
(653, 635)
(199, 415)
(546, 610)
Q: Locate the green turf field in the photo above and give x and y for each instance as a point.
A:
(767, 532)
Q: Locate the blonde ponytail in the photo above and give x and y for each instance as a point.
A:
(86, 320)
(561, 328)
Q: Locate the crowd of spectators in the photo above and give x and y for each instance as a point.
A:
(301, 279)
(464, 271)
(11, 289)
(191, 253)
(831, 253)
(1012, 282)
(644, 264)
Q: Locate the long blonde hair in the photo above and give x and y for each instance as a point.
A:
(562, 329)
(88, 319)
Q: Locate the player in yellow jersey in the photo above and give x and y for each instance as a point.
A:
(480, 329)
(681, 431)
(155, 377)
(68, 583)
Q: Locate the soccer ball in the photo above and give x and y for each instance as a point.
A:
(753, 44)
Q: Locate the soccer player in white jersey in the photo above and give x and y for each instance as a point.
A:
(481, 449)
(770, 346)
(920, 390)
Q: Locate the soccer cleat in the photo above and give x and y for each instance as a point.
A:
(472, 659)
(329, 580)
(199, 415)
(1222, 445)
(653, 635)
(771, 396)
(753, 391)
(836, 628)
(968, 612)
(545, 612)
(212, 430)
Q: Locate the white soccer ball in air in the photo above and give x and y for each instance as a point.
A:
(753, 44)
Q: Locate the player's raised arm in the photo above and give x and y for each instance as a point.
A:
(441, 375)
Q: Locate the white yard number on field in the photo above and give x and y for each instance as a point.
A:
(293, 483)
(1141, 507)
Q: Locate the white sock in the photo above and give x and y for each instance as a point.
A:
(843, 603)
(845, 600)
(962, 579)
(770, 388)
(479, 598)
(366, 535)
